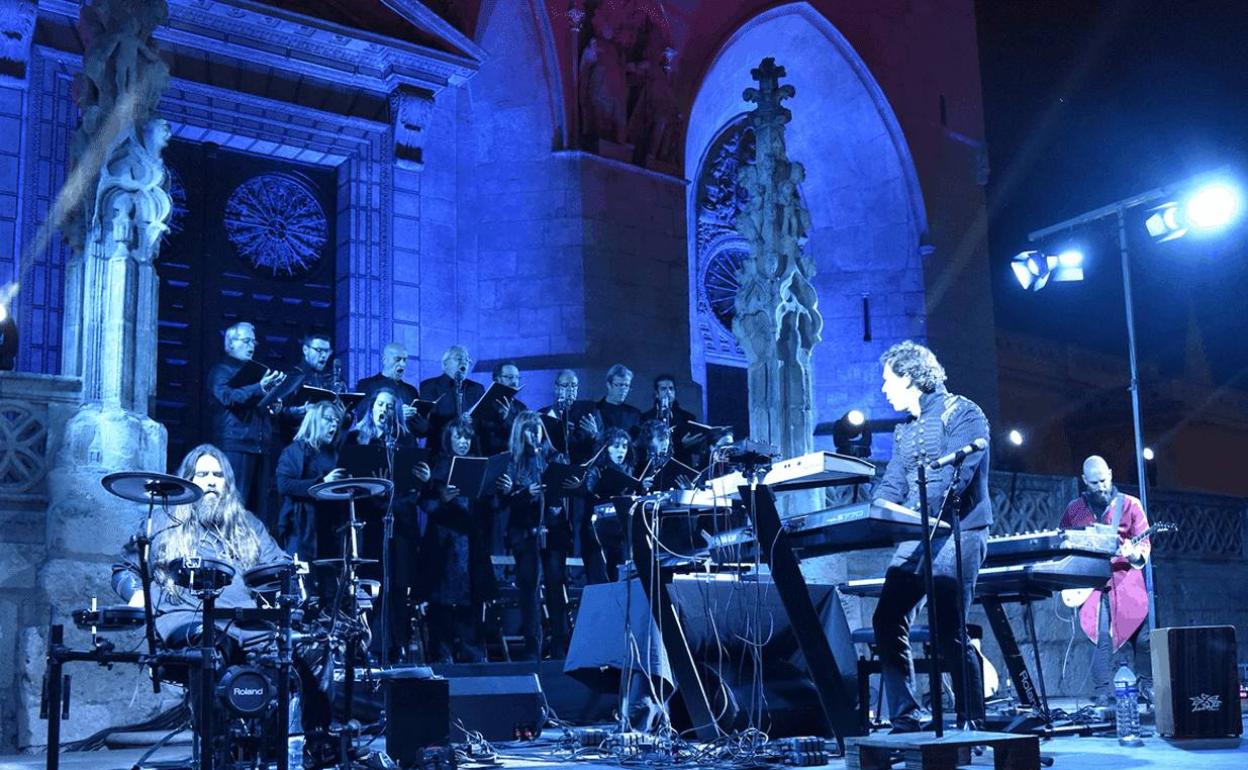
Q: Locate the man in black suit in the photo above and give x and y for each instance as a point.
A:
(611, 409)
(241, 427)
(312, 371)
(668, 412)
(452, 390)
(494, 420)
(572, 424)
(393, 365)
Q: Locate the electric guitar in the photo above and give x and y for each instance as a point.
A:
(1075, 597)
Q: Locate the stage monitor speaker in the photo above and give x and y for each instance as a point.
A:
(501, 707)
(418, 715)
(1195, 682)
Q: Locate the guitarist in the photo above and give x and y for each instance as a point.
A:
(1114, 614)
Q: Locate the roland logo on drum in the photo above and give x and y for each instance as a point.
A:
(249, 690)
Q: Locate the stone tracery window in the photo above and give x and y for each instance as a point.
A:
(276, 223)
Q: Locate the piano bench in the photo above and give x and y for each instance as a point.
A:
(871, 665)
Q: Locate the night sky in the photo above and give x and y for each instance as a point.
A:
(1089, 102)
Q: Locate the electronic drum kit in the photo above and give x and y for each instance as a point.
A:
(255, 695)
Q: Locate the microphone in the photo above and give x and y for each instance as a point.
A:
(978, 445)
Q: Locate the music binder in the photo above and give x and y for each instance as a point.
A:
(476, 476)
(556, 431)
(612, 482)
(405, 462)
(496, 392)
(557, 474)
(249, 373)
(310, 394)
(669, 476)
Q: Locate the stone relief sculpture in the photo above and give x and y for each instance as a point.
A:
(604, 91)
(625, 94)
(777, 320)
(17, 28)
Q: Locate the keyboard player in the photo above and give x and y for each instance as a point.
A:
(941, 422)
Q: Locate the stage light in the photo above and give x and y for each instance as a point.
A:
(851, 435)
(1213, 206)
(1034, 270)
(1015, 437)
(1031, 269)
(1163, 223)
(1149, 455)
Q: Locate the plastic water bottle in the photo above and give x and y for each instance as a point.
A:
(295, 739)
(1128, 717)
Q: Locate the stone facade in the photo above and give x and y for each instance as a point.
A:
(462, 217)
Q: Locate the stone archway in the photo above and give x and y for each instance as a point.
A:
(867, 211)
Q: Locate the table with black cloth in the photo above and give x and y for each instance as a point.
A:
(722, 617)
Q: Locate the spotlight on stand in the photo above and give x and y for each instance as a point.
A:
(1034, 269)
(1149, 454)
(1209, 208)
(851, 435)
(1015, 437)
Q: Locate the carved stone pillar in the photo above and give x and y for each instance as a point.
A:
(110, 330)
(410, 110)
(777, 319)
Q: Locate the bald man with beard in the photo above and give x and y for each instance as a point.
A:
(1114, 614)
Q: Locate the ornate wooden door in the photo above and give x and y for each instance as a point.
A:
(252, 239)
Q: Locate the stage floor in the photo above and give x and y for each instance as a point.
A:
(1068, 751)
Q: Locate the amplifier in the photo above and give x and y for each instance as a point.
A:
(500, 707)
(418, 715)
(1195, 682)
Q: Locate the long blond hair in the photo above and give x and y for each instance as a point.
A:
(230, 522)
(312, 430)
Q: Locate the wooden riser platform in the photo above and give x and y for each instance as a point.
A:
(924, 751)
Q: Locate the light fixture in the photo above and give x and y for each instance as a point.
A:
(1209, 208)
(1214, 206)
(851, 435)
(1149, 454)
(1034, 269)
(1015, 437)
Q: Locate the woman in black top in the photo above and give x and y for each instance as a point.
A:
(306, 527)
(539, 536)
(380, 430)
(457, 577)
(602, 538)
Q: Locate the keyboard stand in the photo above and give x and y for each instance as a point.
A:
(836, 695)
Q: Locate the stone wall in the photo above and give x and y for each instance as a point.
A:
(33, 411)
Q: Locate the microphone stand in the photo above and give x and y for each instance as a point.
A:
(929, 582)
(934, 684)
(387, 537)
(142, 545)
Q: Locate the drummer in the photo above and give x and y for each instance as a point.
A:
(217, 529)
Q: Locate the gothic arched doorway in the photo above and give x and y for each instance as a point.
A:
(861, 188)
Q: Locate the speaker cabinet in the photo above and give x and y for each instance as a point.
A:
(418, 715)
(1195, 682)
(497, 706)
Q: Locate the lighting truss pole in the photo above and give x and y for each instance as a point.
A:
(1118, 210)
